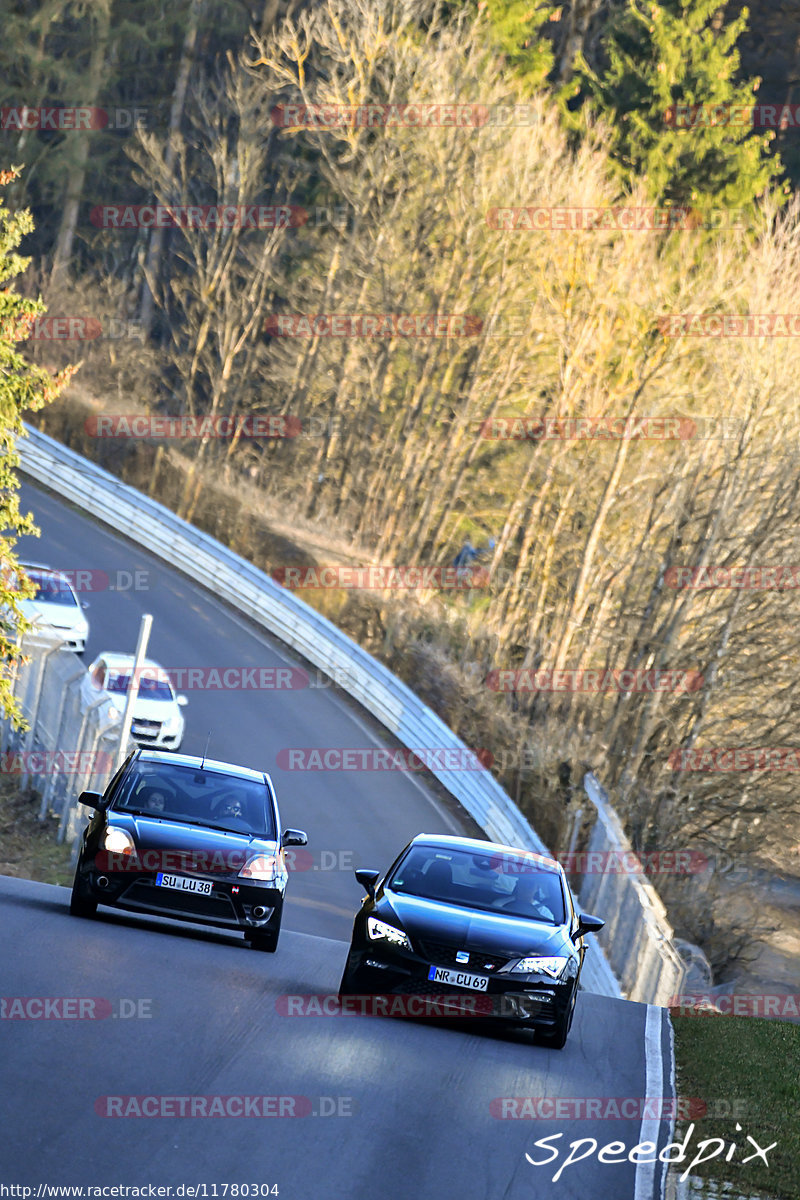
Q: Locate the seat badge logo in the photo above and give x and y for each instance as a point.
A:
(462, 956)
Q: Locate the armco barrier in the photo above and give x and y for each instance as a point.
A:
(637, 938)
(251, 591)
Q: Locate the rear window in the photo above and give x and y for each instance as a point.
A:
(181, 793)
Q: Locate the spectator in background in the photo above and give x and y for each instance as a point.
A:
(469, 554)
(465, 555)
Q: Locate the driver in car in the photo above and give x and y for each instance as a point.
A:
(231, 807)
(529, 897)
(156, 802)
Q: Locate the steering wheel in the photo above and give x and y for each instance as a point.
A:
(537, 907)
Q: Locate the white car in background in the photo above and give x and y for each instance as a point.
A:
(157, 718)
(55, 604)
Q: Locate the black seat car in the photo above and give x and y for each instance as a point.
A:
(457, 918)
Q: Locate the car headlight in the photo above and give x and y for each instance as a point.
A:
(172, 724)
(118, 841)
(380, 931)
(266, 867)
(553, 966)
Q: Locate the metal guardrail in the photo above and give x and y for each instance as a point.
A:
(637, 938)
(244, 587)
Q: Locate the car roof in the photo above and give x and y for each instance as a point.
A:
(207, 764)
(478, 846)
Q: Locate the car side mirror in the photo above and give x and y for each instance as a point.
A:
(589, 924)
(294, 837)
(84, 603)
(91, 799)
(181, 701)
(368, 880)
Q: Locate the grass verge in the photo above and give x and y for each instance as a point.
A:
(747, 1072)
(28, 847)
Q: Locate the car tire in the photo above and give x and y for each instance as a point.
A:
(268, 941)
(346, 987)
(79, 906)
(556, 1038)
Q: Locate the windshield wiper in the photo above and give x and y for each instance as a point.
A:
(227, 829)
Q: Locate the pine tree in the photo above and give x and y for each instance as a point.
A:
(666, 94)
(515, 27)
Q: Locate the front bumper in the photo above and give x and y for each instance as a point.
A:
(72, 641)
(231, 903)
(537, 1001)
(156, 739)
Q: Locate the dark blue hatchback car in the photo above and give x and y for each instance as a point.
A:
(187, 838)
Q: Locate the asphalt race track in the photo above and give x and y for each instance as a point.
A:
(381, 1107)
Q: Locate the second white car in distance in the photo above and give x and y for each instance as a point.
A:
(157, 718)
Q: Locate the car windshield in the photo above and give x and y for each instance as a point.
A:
(151, 687)
(514, 885)
(53, 589)
(176, 792)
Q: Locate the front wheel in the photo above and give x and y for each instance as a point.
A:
(79, 906)
(346, 987)
(556, 1038)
